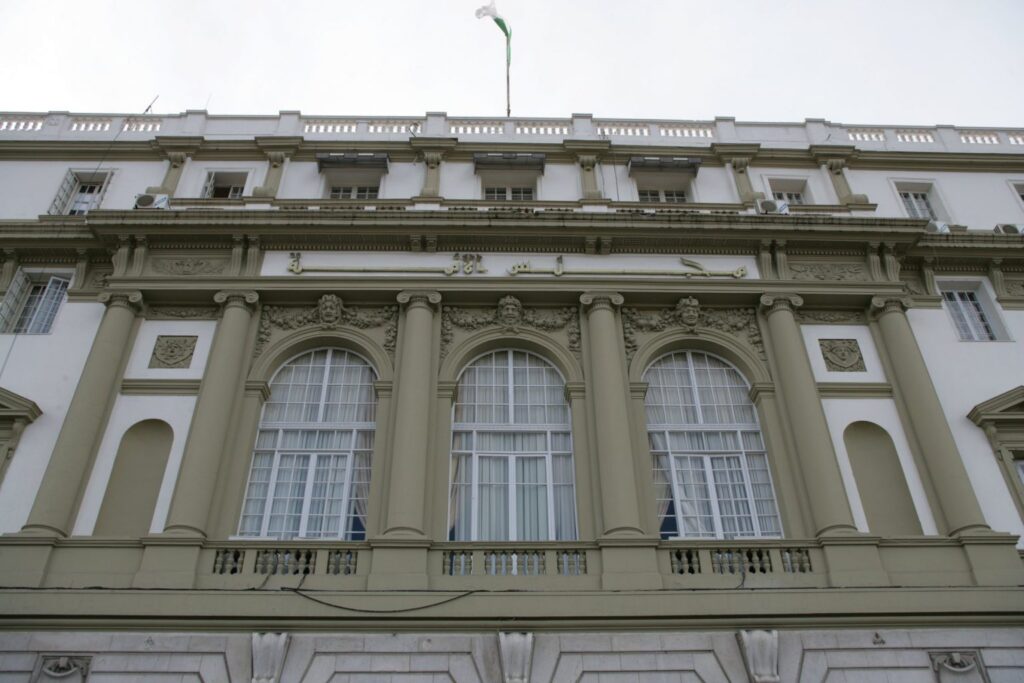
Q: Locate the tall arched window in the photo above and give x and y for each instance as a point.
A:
(310, 475)
(511, 468)
(710, 467)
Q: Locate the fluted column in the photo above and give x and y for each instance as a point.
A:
(197, 478)
(408, 481)
(71, 461)
(938, 448)
(823, 481)
(621, 509)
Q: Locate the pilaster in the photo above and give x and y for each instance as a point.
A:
(432, 152)
(833, 159)
(278, 150)
(737, 158)
(177, 150)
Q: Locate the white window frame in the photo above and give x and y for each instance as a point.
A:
(706, 458)
(234, 192)
(794, 190)
(663, 195)
(360, 192)
(965, 325)
(475, 454)
(510, 190)
(70, 190)
(1017, 187)
(927, 186)
(314, 455)
(46, 306)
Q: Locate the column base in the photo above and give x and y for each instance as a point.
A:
(630, 564)
(398, 566)
(854, 561)
(24, 561)
(168, 562)
(993, 559)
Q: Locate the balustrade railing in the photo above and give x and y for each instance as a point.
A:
(514, 560)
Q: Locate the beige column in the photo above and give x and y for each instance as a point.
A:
(407, 488)
(278, 151)
(938, 448)
(588, 175)
(816, 457)
(177, 149)
(619, 503)
(207, 439)
(836, 171)
(744, 188)
(68, 470)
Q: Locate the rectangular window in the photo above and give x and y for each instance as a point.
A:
(663, 196)
(917, 204)
(793, 191)
(789, 197)
(362, 192)
(80, 192)
(502, 194)
(31, 302)
(969, 317)
(224, 184)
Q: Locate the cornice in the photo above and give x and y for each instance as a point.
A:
(160, 387)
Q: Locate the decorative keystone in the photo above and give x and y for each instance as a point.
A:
(516, 650)
(760, 655)
(268, 653)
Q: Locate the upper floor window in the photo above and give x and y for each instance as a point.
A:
(793, 191)
(224, 184)
(363, 192)
(921, 200)
(971, 311)
(710, 466)
(663, 196)
(80, 192)
(1019, 189)
(917, 204)
(508, 193)
(310, 474)
(512, 467)
(31, 302)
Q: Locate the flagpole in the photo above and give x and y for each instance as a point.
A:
(508, 77)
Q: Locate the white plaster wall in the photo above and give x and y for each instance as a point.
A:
(44, 368)
(840, 413)
(873, 364)
(27, 188)
(965, 374)
(128, 410)
(977, 200)
(193, 176)
(818, 186)
(714, 184)
(142, 351)
(301, 180)
(615, 183)
(458, 180)
(403, 180)
(560, 182)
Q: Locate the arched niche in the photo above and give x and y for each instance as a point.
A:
(525, 340)
(717, 343)
(292, 345)
(881, 483)
(134, 484)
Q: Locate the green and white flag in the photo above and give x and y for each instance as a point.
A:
(492, 12)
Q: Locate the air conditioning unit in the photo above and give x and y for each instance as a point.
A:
(937, 226)
(152, 201)
(776, 206)
(1010, 229)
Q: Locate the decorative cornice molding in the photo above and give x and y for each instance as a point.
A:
(189, 266)
(160, 387)
(854, 390)
(806, 317)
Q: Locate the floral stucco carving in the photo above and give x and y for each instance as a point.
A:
(1015, 287)
(842, 355)
(330, 313)
(828, 271)
(189, 266)
(511, 316)
(831, 317)
(182, 313)
(689, 315)
(173, 351)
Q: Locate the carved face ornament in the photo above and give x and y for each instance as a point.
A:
(330, 307)
(688, 311)
(510, 312)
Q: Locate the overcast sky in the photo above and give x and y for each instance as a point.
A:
(853, 61)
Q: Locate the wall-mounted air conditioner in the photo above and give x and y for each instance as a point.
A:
(1010, 229)
(937, 226)
(152, 201)
(776, 206)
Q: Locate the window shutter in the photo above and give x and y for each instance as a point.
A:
(49, 304)
(208, 187)
(13, 300)
(67, 186)
(107, 177)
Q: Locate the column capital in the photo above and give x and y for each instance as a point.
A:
(600, 300)
(881, 305)
(236, 297)
(772, 303)
(131, 299)
(422, 297)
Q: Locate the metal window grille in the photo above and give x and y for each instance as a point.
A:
(917, 205)
(968, 315)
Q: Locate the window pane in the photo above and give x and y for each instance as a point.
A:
(492, 509)
(531, 499)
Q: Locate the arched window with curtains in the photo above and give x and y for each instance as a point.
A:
(710, 467)
(310, 474)
(511, 466)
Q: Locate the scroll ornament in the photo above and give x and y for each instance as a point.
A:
(189, 266)
(511, 316)
(330, 313)
(828, 271)
(689, 315)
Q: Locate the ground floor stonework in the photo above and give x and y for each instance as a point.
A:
(992, 655)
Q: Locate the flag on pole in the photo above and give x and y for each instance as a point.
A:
(492, 12)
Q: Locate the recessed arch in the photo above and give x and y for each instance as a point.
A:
(480, 343)
(714, 342)
(134, 484)
(881, 482)
(275, 355)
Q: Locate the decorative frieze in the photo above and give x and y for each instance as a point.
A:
(181, 313)
(330, 313)
(189, 266)
(830, 317)
(842, 355)
(511, 317)
(692, 318)
(173, 351)
(828, 271)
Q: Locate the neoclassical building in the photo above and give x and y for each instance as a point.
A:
(294, 398)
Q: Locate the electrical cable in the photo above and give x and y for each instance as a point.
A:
(301, 593)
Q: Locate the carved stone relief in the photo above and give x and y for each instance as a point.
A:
(1015, 287)
(828, 271)
(842, 355)
(330, 313)
(760, 655)
(181, 313)
(97, 279)
(511, 316)
(831, 317)
(268, 653)
(172, 351)
(189, 266)
(914, 286)
(63, 668)
(961, 667)
(688, 314)
(516, 651)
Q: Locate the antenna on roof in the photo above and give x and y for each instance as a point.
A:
(150, 107)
